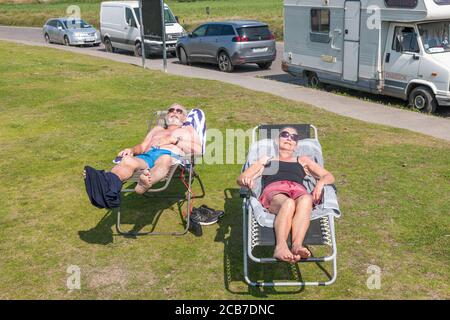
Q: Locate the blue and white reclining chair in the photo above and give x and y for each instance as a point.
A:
(183, 167)
(258, 222)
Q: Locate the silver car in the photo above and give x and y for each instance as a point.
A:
(70, 31)
(228, 44)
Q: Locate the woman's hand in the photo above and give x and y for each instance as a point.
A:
(246, 182)
(126, 152)
(317, 192)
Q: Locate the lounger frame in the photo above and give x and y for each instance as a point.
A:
(186, 167)
(320, 232)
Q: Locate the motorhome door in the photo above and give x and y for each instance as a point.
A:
(351, 40)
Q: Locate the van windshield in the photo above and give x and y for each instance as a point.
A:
(435, 36)
(168, 16)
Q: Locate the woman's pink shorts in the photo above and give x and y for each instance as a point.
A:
(293, 190)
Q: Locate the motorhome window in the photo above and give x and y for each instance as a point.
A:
(200, 31)
(214, 30)
(435, 36)
(255, 33)
(227, 30)
(405, 40)
(402, 3)
(442, 2)
(168, 16)
(320, 20)
(129, 18)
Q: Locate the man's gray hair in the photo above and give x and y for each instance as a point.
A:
(179, 106)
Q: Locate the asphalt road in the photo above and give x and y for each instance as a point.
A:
(273, 81)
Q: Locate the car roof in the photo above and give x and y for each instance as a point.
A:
(240, 23)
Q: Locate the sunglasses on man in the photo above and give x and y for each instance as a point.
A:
(173, 110)
(294, 137)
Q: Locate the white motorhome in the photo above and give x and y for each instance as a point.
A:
(120, 23)
(398, 48)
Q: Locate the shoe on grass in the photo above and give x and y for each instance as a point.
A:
(205, 216)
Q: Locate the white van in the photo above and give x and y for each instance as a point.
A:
(119, 28)
(390, 47)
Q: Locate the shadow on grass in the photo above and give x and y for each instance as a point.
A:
(137, 210)
(231, 234)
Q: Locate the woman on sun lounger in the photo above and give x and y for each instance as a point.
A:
(283, 193)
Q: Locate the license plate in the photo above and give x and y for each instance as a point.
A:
(259, 50)
(89, 39)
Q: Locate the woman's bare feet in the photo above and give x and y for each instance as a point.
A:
(144, 183)
(283, 253)
(301, 251)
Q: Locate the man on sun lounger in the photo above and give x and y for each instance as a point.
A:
(161, 148)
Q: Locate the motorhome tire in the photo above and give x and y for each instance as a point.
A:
(423, 100)
(313, 80)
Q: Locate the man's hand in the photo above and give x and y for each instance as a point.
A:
(126, 152)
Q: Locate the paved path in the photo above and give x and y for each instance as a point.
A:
(250, 77)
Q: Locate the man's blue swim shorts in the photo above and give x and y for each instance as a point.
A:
(153, 154)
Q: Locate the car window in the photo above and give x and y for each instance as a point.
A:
(255, 33)
(59, 24)
(227, 30)
(50, 23)
(214, 30)
(200, 31)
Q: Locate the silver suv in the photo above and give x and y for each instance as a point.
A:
(228, 44)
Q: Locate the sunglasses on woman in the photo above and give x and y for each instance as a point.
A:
(179, 111)
(293, 136)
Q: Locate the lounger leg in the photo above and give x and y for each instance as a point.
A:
(132, 233)
(332, 258)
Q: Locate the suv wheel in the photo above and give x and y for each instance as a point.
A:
(66, 41)
(108, 45)
(47, 38)
(423, 100)
(264, 65)
(225, 64)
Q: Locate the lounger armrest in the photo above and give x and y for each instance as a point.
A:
(191, 157)
(244, 192)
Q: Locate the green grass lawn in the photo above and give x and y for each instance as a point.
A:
(61, 111)
(191, 14)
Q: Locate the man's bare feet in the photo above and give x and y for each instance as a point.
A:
(301, 251)
(283, 253)
(143, 184)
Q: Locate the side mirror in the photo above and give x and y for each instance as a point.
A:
(190, 35)
(60, 28)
